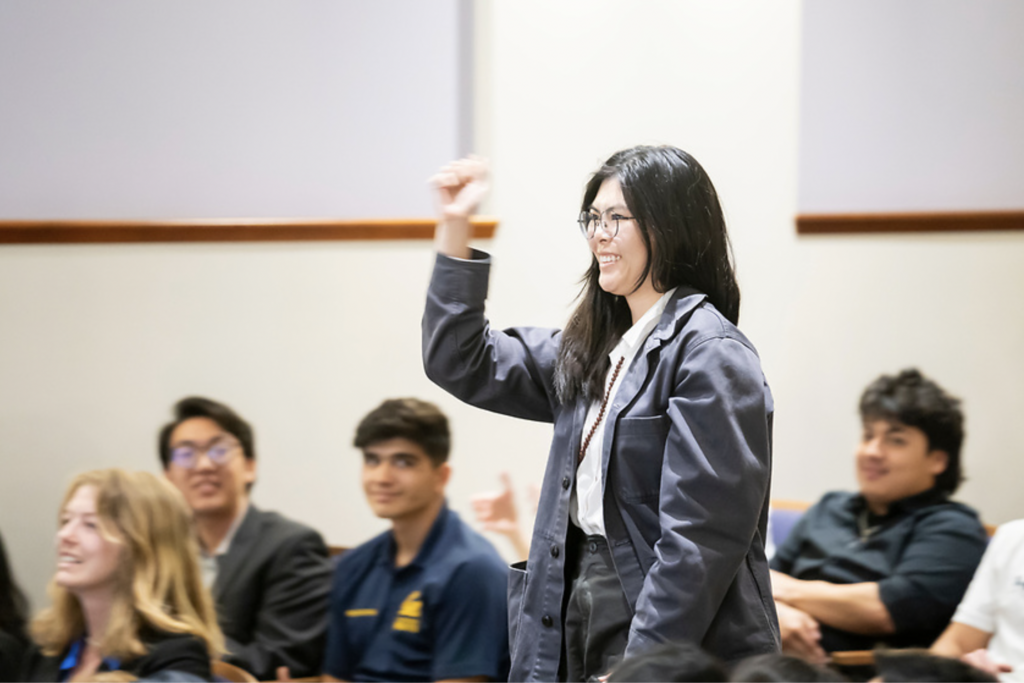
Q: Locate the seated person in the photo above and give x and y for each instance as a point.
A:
(13, 616)
(127, 594)
(886, 565)
(987, 630)
(425, 600)
(270, 576)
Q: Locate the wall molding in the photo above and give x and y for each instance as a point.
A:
(226, 230)
(938, 221)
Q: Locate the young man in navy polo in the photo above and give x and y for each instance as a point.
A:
(427, 599)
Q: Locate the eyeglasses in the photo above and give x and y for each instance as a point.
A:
(219, 453)
(589, 221)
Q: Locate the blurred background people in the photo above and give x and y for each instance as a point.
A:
(669, 662)
(915, 665)
(987, 630)
(13, 618)
(269, 575)
(425, 600)
(127, 594)
(889, 563)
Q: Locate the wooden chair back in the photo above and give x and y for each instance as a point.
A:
(222, 671)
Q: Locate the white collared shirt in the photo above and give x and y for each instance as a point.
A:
(208, 564)
(586, 509)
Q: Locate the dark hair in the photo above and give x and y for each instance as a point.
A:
(773, 667)
(682, 226)
(226, 419)
(421, 422)
(13, 603)
(670, 662)
(921, 665)
(912, 399)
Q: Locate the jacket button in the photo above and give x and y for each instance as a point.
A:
(546, 620)
(554, 551)
(566, 483)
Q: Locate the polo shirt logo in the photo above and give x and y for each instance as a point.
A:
(360, 613)
(409, 614)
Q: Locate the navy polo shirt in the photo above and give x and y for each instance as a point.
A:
(444, 615)
(922, 554)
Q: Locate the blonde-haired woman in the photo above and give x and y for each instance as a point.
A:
(127, 595)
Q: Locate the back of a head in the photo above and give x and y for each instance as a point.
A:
(771, 668)
(921, 665)
(418, 421)
(912, 399)
(670, 662)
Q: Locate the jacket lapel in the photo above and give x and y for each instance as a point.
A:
(676, 313)
(230, 563)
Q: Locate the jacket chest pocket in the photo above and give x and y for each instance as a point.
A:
(637, 456)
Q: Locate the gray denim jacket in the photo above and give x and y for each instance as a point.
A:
(686, 468)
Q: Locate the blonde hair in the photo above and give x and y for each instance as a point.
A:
(158, 584)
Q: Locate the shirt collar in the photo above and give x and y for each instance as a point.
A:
(904, 506)
(387, 555)
(636, 335)
(225, 543)
(74, 652)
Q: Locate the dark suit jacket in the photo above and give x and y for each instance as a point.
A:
(182, 653)
(272, 592)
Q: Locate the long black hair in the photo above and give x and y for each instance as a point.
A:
(682, 227)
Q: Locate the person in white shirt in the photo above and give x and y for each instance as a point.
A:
(987, 630)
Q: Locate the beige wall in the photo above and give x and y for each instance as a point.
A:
(96, 342)
(574, 81)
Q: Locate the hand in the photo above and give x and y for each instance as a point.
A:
(496, 510)
(461, 185)
(283, 674)
(801, 634)
(981, 659)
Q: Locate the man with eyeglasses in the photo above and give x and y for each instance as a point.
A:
(270, 576)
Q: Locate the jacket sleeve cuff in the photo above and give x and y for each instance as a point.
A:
(456, 279)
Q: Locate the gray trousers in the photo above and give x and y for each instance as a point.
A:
(597, 616)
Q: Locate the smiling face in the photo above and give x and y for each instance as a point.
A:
(894, 462)
(210, 489)
(400, 481)
(623, 258)
(87, 558)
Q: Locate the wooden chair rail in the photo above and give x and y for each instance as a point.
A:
(853, 658)
(939, 221)
(226, 230)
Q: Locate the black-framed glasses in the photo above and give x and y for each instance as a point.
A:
(589, 220)
(220, 453)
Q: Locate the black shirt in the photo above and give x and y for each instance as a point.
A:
(182, 653)
(922, 554)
